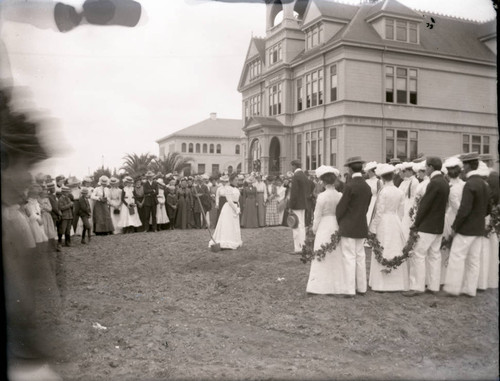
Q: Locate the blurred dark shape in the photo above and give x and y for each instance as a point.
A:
(66, 17)
(112, 12)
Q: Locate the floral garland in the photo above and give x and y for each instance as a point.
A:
(308, 252)
(413, 210)
(494, 224)
(446, 242)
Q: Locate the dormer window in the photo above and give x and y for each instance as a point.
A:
(401, 30)
(254, 68)
(314, 36)
(275, 54)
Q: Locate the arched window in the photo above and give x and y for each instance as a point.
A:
(205, 148)
(218, 148)
(237, 149)
(197, 147)
(230, 169)
(190, 147)
(183, 147)
(238, 168)
(211, 148)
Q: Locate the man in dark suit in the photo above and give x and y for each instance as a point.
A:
(298, 203)
(462, 273)
(353, 228)
(310, 200)
(55, 213)
(150, 201)
(429, 223)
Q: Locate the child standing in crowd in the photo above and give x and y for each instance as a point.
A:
(66, 208)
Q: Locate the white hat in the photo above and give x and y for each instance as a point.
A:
(370, 166)
(383, 169)
(324, 169)
(103, 180)
(453, 162)
(407, 165)
(398, 167)
(224, 178)
(205, 176)
(419, 166)
(483, 169)
(444, 170)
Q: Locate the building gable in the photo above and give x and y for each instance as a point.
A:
(311, 14)
(256, 50)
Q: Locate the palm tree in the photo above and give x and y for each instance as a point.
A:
(136, 165)
(173, 161)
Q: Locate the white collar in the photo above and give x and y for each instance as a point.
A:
(472, 173)
(357, 174)
(458, 180)
(298, 169)
(435, 173)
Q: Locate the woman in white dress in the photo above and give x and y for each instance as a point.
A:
(129, 215)
(34, 213)
(375, 185)
(227, 232)
(386, 224)
(161, 211)
(280, 199)
(326, 276)
(115, 203)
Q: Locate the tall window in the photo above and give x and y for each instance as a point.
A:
(237, 149)
(314, 36)
(211, 148)
(314, 149)
(183, 147)
(254, 69)
(190, 149)
(201, 169)
(252, 106)
(197, 147)
(299, 147)
(218, 149)
(205, 147)
(401, 144)
(333, 146)
(401, 82)
(476, 143)
(215, 169)
(400, 30)
(314, 88)
(299, 94)
(275, 99)
(275, 54)
(333, 83)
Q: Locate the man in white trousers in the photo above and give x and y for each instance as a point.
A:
(429, 223)
(353, 228)
(298, 202)
(463, 266)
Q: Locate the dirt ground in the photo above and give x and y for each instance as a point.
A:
(174, 310)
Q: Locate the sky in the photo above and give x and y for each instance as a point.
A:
(103, 92)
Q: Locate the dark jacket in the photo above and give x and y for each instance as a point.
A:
(397, 180)
(494, 183)
(150, 193)
(55, 213)
(352, 209)
(432, 207)
(474, 207)
(82, 207)
(299, 191)
(66, 207)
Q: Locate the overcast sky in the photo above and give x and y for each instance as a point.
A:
(109, 91)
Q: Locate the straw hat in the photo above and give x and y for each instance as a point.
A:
(370, 166)
(324, 169)
(384, 169)
(73, 181)
(353, 160)
(224, 179)
(453, 162)
(103, 180)
(114, 181)
(128, 179)
(150, 174)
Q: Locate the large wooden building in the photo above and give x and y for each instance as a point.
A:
(380, 80)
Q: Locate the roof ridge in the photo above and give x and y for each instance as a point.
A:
(434, 13)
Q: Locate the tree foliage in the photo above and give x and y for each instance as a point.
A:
(137, 165)
(173, 161)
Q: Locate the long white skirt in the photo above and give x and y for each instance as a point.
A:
(391, 237)
(326, 276)
(127, 219)
(227, 232)
(161, 215)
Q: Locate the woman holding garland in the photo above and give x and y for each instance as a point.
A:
(386, 224)
(326, 275)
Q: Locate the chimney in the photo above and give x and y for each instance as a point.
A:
(213, 115)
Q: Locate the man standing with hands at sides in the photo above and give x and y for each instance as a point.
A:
(353, 228)
(469, 226)
(429, 223)
(150, 201)
(298, 194)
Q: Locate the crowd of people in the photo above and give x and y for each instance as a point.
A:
(445, 215)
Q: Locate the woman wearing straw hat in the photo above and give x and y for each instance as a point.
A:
(227, 232)
(326, 276)
(161, 212)
(115, 203)
(103, 225)
(129, 215)
(387, 225)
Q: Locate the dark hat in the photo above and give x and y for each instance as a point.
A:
(296, 163)
(60, 177)
(84, 191)
(486, 157)
(469, 157)
(352, 160)
(419, 159)
(64, 188)
(51, 186)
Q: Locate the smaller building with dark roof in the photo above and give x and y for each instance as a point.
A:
(213, 145)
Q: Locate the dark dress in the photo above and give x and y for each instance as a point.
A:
(183, 208)
(171, 204)
(139, 199)
(102, 218)
(250, 216)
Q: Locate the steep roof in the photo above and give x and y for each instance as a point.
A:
(336, 10)
(226, 128)
(449, 36)
(260, 44)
